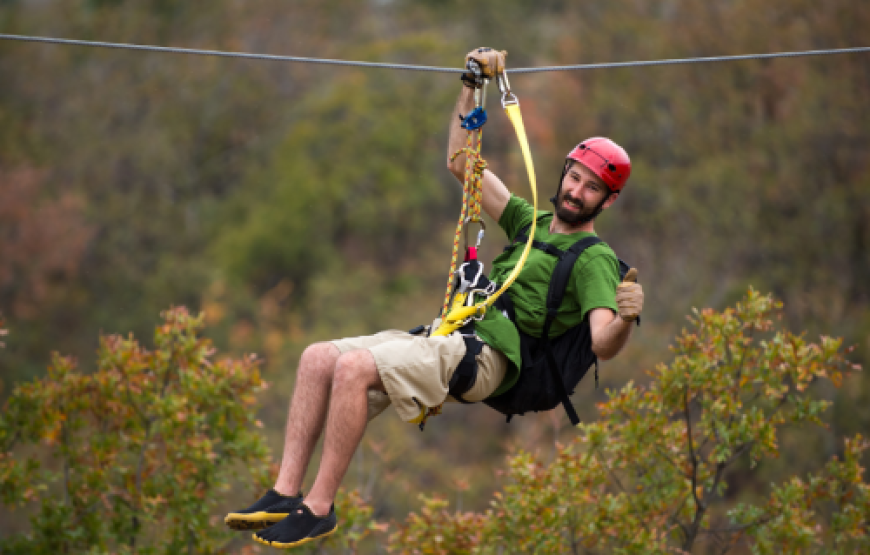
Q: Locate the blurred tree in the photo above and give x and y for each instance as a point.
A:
(744, 173)
(324, 197)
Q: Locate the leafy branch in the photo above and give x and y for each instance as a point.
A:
(725, 395)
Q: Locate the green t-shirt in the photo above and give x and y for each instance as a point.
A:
(592, 285)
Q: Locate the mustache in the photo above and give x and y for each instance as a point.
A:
(579, 202)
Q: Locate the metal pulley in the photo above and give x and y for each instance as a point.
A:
(477, 117)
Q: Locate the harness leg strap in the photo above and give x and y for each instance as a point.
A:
(465, 375)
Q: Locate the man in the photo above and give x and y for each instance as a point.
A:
(342, 384)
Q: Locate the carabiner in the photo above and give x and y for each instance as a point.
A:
(480, 233)
(507, 97)
(480, 95)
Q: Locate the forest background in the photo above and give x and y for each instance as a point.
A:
(297, 203)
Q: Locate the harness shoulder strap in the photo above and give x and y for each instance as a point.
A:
(555, 294)
(562, 273)
(523, 235)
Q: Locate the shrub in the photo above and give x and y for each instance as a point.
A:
(650, 475)
(134, 454)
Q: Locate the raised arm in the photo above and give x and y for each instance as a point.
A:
(610, 332)
(495, 194)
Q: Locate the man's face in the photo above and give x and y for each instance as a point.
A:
(582, 193)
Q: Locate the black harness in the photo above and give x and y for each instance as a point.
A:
(465, 375)
(548, 369)
(555, 293)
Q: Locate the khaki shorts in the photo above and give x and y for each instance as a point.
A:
(416, 370)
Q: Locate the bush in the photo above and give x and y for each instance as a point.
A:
(135, 453)
(651, 474)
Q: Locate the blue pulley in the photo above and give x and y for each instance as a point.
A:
(475, 119)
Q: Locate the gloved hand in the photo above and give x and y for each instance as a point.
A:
(629, 297)
(491, 63)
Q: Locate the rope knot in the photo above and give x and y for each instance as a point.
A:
(479, 166)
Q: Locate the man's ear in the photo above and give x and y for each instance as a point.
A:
(610, 200)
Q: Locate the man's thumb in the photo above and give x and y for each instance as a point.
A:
(630, 276)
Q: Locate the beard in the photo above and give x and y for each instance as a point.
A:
(574, 217)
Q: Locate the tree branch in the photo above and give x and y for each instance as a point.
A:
(64, 441)
(673, 518)
(700, 507)
(692, 456)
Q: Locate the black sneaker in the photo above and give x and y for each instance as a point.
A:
(301, 526)
(271, 508)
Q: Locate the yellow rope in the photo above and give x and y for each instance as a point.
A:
(456, 318)
(453, 320)
(472, 197)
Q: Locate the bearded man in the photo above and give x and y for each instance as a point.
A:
(342, 384)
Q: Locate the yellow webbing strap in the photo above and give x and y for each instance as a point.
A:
(457, 317)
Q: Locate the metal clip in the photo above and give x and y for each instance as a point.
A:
(480, 95)
(480, 314)
(468, 220)
(507, 97)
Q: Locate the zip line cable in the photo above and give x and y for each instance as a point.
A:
(675, 61)
(407, 67)
(246, 55)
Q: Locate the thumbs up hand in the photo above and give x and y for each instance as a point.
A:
(629, 297)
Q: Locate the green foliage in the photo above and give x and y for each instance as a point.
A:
(436, 530)
(651, 475)
(790, 521)
(133, 455)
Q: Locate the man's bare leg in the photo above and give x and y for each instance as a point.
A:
(355, 373)
(314, 380)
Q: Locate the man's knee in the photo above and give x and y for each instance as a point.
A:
(356, 368)
(318, 360)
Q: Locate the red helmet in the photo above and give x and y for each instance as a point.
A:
(606, 159)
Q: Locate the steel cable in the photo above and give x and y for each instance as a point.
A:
(246, 55)
(675, 61)
(408, 67)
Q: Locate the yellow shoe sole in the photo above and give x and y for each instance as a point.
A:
(280, 545)
(252, 521)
